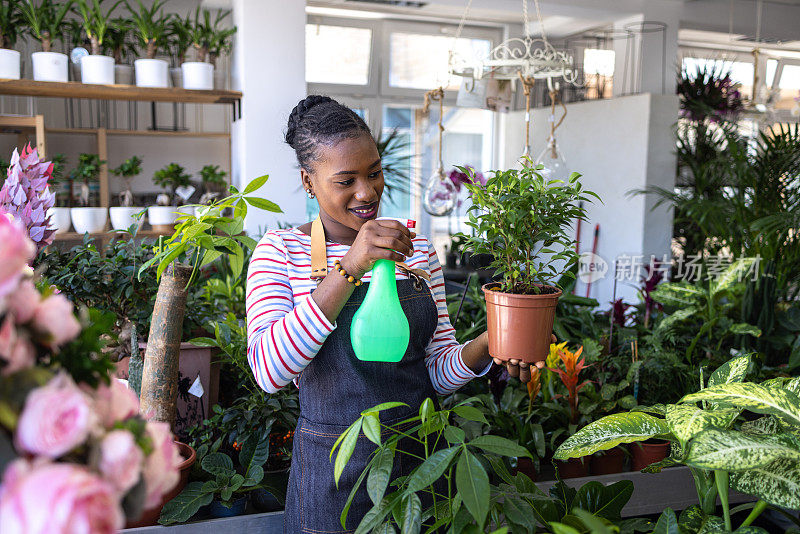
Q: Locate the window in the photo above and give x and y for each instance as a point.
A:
(337, 54)
(741, 71)
(398, 164)
(420, 61)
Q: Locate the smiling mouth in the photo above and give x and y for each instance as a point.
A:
(366, 212)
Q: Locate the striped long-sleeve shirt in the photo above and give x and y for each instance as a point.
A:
(286, 328)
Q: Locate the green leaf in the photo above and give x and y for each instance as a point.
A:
(596, 525)
(430, 470)
(255, 184)
(732, 275)
(769, 424)
(185, 505)
(454, 435)
(667, 523)
(777, 483)
(379, 473)
(692, 519)
(686, 420)
(346, 450)
(744, 329)
(472, 483)
(254, 454)
(610, 431)
(753, 397)
(732, 450)
(501, 446)
(218, 464)
(372, 428)
(386, 528)
(263, 204)
(375, 516)
(412, 514)
(470, 413)
(382, 407)
(560, 528)
(237, 261)
(426, 409)
(677, 294)
(604, 501)
(734, 370)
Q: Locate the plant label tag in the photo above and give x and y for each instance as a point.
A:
(197, 388)
(185, 191)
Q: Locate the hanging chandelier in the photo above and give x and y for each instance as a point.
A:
(529, 57)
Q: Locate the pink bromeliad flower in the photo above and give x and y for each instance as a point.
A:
(27, 196)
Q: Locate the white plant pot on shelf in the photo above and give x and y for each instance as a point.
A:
(97, 70)
(197, 75)
(162, 218)
(9, 64)
(91, 220)
(60, 219)
(122, 217)
(123, 74)
(151, 72)
(49, 66)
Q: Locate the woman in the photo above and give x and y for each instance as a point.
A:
(299, 308)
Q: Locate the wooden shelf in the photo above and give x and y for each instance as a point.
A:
(75, 236)
(117, 92)
(139, 133)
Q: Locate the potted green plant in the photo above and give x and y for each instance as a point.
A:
(151, 32)
(179, 37)
(87, 218)
(46, 23)
(199, 73)
(523, 221)
(10, 27)
(122, 216)
(213, 180)
(163, 215)
(96, 68)
(118, 44)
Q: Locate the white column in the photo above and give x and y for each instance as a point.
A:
(269, 69)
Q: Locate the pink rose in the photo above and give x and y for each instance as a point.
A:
(161, 466)
(16, 249)
(56, 498)
(23, 302)
(53, 317)
(120, 460)
(115, 402)
(18, 352)
(57, 417)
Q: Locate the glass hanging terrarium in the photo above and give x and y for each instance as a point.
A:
(440, 195)
(553, 162)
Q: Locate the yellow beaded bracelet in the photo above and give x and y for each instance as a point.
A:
(348, 277)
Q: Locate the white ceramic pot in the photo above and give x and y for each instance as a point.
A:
(175, 77)
(49, 66)
(162, 218)
(9, 64)
(97, 70)
(59, 219)
(151, 72)
(197, 75)
(91, 220)
(122, 217)
(123, 74)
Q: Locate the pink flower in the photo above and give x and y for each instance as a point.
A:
(57, 417)
(26, 194)
(161, 466)
(120, 460)
(53, 317)
(56, 498)
(115, 402)
(23, 302)
(15, 252)
(18, 352)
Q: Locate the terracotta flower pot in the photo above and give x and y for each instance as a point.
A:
(608, 462)
(520, 325)
(647, 452)
(574, 467)
(150, 516)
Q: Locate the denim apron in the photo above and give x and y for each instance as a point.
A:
(334, 389)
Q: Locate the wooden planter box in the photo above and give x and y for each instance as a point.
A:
(269, 523)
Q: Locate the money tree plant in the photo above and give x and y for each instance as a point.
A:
(756, 455)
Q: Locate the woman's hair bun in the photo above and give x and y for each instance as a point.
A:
(296, 116)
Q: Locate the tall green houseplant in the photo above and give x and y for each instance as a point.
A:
(46, 20)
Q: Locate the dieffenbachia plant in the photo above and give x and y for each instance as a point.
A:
(759, 457)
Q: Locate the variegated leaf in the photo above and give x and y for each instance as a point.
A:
(734, 370)
(670, 321)
(610, 431)
(731, 275)
(731, 450)
(769, 424)
(677, 294)
(753, 397)
(777, 483)
(686, 420)
(784, 382)
(744, 328)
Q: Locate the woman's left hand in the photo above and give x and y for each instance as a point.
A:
(519, 369)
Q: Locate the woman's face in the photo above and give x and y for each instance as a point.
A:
(348, 182)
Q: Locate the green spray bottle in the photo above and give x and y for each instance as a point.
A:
(379, 330)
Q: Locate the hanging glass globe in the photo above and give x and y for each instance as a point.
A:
(525, 160)
(555, 166)
(440, 195)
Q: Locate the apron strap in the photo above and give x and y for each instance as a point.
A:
(319, 256)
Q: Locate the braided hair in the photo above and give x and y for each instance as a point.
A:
(320, 120)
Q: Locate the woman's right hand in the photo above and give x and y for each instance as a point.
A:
(378, 240)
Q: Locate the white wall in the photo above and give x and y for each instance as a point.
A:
(618, 145)
(269, 68)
